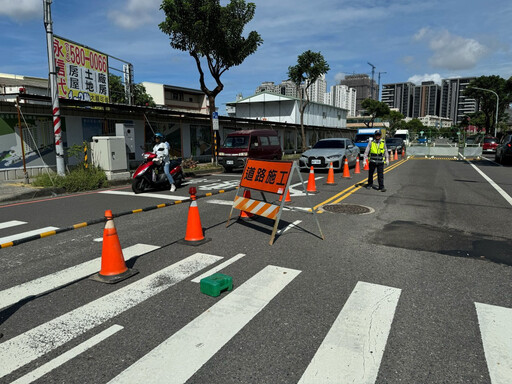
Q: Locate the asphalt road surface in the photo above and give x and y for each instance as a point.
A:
(413, 285)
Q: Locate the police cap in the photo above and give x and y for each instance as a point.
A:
(377, 133)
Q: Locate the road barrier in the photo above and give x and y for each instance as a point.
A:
(103, 219)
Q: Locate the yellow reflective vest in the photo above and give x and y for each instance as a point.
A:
(377, 151)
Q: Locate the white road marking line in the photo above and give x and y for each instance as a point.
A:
(353, 348)
(181, 355)
(152, 195)
(22, 235)
(505, 195)
(294, 192)
(58, 279)
(24, 348)
(496, 329)
(67, 356)
(218, 267)
(219, 202)
(295, 223)
(98, 240)
(12, 223)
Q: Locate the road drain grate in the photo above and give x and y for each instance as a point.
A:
(347, 208)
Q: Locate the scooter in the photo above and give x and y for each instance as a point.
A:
(150, 174)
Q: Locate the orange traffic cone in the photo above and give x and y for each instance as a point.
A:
(357, 169)
(113, 268)
(243, 214)
(287, 199)
(194, 234)
(396, 154)
(311, 188)
(403, 152)
(366, 167)
(346, 173)
(390, 156)
(330, 176)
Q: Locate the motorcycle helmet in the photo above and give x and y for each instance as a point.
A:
(159, 136)
(377, 134)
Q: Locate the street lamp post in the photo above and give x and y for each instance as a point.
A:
(497, 105)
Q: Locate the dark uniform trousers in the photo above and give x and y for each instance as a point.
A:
(380, 173)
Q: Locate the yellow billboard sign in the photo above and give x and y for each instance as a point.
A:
(82, 74)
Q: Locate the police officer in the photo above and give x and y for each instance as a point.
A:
(377, 151)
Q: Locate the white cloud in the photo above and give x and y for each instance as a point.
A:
(450, 51)
(136, 13)
(418, 79)
(20, 10)
(339, 76)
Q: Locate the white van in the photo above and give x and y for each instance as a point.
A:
(404, 135)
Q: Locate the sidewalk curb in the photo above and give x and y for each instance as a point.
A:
(53, 192)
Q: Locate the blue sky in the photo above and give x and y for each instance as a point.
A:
(409, 40)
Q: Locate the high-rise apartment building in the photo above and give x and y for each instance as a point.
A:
(342, 96)
(426, 99)
(399, 95)
(364, 86)
(316, 91)
(430, 99)
(454, 104)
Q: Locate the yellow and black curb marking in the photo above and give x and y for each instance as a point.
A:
(102, 220)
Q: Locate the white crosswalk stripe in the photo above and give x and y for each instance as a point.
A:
(58, 279)
(22, 235)
(22, 349)
(12, 223)
(352, 350)
(199, 340)
(496, 329)
(151, 195)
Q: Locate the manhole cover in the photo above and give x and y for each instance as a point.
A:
(347, 208)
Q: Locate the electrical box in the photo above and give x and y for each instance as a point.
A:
(109, 153)
(128, 131)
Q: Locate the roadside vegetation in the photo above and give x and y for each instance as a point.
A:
(82, 177)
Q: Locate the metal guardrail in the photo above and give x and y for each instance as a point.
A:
(446, 150)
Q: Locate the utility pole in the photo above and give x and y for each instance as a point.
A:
(57, 129)
(373, 75)
(378, 87)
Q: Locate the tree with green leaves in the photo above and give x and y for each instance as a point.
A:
(487, 100)
(374, 109)
(415, 126)
(395, 121)
(118, 95)
(211, 33)
(310, 66)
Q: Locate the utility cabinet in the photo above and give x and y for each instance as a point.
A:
(109, 153)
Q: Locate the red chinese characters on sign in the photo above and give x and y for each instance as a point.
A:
(267, 176)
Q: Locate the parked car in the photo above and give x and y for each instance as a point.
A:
(262, 144)
(504, 149)
(490, 144)
(327, 151)
(395, 143)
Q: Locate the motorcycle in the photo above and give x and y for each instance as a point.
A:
(150, 174)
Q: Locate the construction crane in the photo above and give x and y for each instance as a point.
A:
(378, 89)
(373, 74)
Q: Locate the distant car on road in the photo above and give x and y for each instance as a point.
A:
(504, 149)
(490, 144)
(395, 143)
(327, 151)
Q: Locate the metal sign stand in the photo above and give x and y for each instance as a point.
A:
(282, 204)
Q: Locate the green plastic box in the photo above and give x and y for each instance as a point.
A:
(213, 285)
